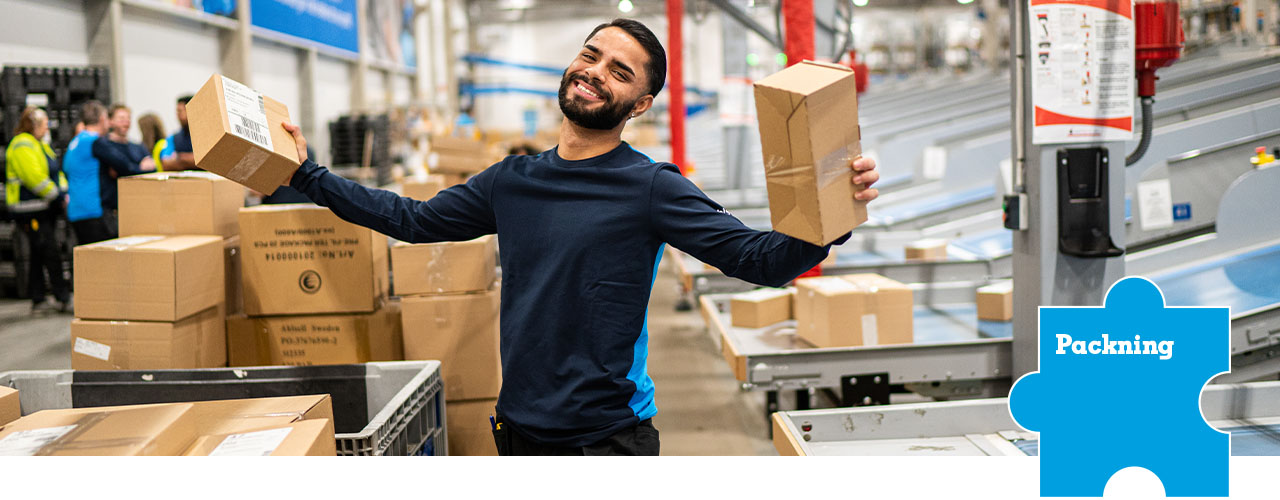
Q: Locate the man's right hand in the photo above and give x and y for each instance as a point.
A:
(297, 138)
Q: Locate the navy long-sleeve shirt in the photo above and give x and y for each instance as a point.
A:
(581, 241)
(123, 158)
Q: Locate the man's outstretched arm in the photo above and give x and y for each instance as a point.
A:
(459, 213)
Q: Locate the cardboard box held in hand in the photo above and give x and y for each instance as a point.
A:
(236, 133)
(809, 135)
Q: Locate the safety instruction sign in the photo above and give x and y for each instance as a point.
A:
(1082, 70)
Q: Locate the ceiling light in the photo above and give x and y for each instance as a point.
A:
(625, 6)
(860, 3)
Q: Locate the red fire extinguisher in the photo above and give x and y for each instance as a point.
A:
(1158, 43)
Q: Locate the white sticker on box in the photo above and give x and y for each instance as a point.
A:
(935, 162)
(247, 113)
(92, 349)
(251, 444)
(1155, 204)
(870, 336)
(28, 443)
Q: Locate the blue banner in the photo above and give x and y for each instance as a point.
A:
(327, 22)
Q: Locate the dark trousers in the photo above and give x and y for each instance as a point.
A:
(92, 231)
(641, 440)
(42, 242)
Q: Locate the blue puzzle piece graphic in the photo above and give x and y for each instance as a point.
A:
(1119, 386)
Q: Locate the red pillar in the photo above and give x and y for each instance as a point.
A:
(797, 15)
(675, 79)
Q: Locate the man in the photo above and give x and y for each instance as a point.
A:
(118, 158)
(177, 154)
(84, 200)
(581, 227)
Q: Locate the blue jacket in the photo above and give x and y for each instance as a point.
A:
(81, 167)
(123, 158)
(580, 244)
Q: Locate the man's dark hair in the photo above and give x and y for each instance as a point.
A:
(185, 99)
(91, 112)
(656, 68)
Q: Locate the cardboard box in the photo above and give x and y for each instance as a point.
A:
(457, 145)
(234, 285)
(449, 267)
(461, 331)
(760, 308)
(189, 202)
(316, 339)
(448, 162)
(303, 259)
(154, 430)
(425, 190)
(236, 133)
(808, 117)
(995, 302)
(930, 249)
(197, 341)
(853, 310)
(470, 433)
(229, 416)
(310, 438)
(10, 407)
(149, 278)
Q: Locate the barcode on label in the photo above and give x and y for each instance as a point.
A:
(250, 130)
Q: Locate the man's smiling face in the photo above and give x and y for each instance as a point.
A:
(606, 81)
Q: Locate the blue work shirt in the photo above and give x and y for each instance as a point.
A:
(81, 168)
(580, 244)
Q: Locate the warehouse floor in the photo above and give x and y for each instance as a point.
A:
(700, 409)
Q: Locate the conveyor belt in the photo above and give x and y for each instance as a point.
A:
(1244, 282)
(930, 205)
(985, 245)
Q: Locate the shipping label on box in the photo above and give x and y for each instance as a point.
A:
(303, 259)
(312, 438)
(461, 331)
(448, 267)
(188, 202)
(152, 430)
(236, 133)
(808, 119)
(760, 308)
(995, 302)
(197, 341)
(316, 339)
(149, 278)
(470, 433)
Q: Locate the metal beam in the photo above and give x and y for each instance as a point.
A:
(746, 21)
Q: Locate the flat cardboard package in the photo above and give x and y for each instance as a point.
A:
(448, 267)
(197, 341)
(189, 202)
(425, 190)
(930, 249)
(461, 331)
(153, 430)
(470, 433)
(234, 282)
(808, 118)
(10, 408)
(236, 133)
(149, 278)
(303, 259)
(853, 310)
(995, 302)
(309, 438)
(322, 339)
(760, 308)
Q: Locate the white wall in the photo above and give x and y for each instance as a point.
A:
(275, 70)
(333, 99)
(48, 32)
(164, 58)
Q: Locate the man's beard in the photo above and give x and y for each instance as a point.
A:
(607, 117)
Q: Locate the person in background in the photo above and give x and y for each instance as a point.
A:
(523, 148)
(35, 193)
(118, 158)
(153, 138)
(177, 153)
(84, 201)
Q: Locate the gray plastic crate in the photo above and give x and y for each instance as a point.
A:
(382, 408)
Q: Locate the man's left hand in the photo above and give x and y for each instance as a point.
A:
(864, 173)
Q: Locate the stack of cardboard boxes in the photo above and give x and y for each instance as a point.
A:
(315, 291)
(284, 426)
(458, 156)
(157, 296)
(449, 299)
(425, 190)
(833, 311)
